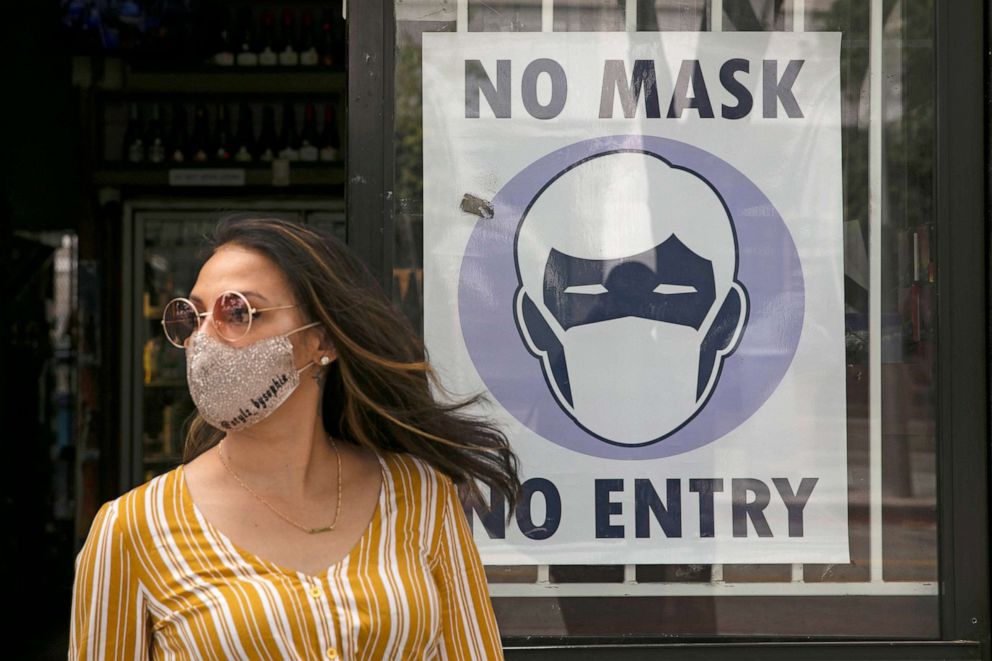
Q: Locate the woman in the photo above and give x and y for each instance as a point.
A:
(316, 513)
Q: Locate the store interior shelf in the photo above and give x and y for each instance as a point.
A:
(277, 80)
(300, 174)
(162, 459)
(166, 383)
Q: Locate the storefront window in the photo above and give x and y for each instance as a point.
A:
(889, 587)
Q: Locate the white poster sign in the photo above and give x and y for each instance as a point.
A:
(633, 242)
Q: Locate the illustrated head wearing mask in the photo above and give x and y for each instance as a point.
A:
(628, 294)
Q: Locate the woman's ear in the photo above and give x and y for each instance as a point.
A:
(326, 346)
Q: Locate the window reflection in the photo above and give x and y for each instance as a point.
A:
(778, 600)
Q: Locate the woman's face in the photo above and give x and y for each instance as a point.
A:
(233, 267)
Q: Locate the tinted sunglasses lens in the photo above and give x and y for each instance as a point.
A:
(232, 315)
(180, 321)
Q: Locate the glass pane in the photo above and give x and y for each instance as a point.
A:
(676, 16)
(753, 15)
(170, 267)
(889, 588)
(579, 15)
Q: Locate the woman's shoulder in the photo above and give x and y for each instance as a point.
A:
(415, 475)
(133, 510)
(422, 496)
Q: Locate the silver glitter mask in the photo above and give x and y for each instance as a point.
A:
(234, 388)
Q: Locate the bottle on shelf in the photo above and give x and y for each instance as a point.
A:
(175, 36)
(155, 139)
(226, 40)
(339, 34)
(330, 142)
(153, 43)
(247, 50)
(131, 21)
(171, 364)
(288, 53)
(244, 145)
(267, 56)
(308, 46)
(328, 46)
(148, 310)
(289, 141)
(150, 359)
(309, 141)
(168, 428)
(268, 144)
(177, 140)
(223, 149)
(134, 145)
(199, 143)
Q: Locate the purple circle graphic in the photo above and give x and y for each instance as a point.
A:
(768, 267)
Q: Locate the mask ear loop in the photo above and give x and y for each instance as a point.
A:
(316, 323)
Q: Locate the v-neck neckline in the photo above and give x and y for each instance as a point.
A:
(205, 526)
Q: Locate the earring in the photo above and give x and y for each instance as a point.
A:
(319, 374)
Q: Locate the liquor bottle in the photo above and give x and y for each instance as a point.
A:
(289, 141)
(175, 32)
(177, 140)
(308, 49)
(134, 145)
(199, 145)
(131, 18)
(226, 38)
(330, 143)
(150, 298)
(339, 38)
(155, 139)
(154, 38)
(222, 148)
(267, 57)
(168, 428)
(309, 140)
(150, 359)
(165, 293)
(268, 146)
(244, 146)
(325, 45)
(288, 55)
(247, 51)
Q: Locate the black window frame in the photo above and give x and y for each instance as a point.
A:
(964, 283)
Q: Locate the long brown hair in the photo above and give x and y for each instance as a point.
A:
(377, 392)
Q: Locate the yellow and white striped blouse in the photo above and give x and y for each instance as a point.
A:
(156, 580)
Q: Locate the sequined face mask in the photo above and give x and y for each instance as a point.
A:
(235, 388)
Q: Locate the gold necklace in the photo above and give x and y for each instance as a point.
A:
(337, 508)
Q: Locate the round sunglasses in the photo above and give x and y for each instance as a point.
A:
(231, 316)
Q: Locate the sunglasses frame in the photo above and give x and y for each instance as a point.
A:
(200, 315)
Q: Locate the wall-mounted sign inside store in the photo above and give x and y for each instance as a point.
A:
(655, 302)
